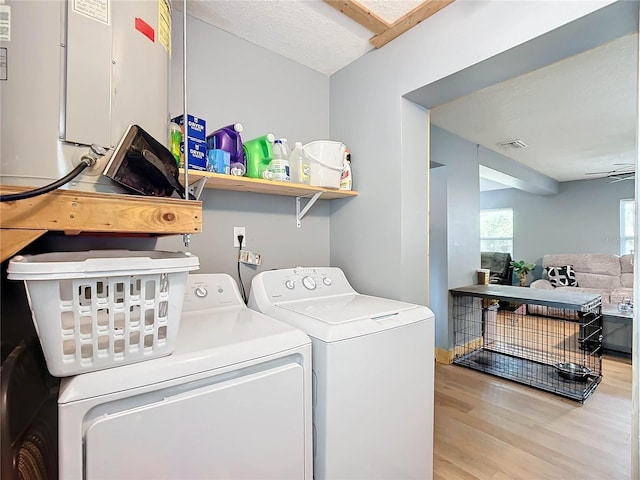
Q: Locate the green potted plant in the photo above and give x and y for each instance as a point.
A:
(521, 268)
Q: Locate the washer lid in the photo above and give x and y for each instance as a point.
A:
(346, 316)
(339, 309)
(207, 340)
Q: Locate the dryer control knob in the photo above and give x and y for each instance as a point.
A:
(309, 283)
(289, 284)
(327, 281)
(201, 291)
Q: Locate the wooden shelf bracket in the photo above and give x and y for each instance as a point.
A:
(303, 212)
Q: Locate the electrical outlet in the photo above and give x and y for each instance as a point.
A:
(239, 231)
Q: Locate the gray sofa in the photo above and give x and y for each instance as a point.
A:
(608, 275)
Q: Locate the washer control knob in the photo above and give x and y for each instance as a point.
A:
(289, 284)
(201, 291)
(327, 281)
(309, 283)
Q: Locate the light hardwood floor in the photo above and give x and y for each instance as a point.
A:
(494, 429)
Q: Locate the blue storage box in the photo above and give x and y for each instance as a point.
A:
(197, 154)
(196, 127)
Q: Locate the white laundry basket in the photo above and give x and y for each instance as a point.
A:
(326, 159)
(104, 308)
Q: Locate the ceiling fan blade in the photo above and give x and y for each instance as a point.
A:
(631, 177)
(614, 173)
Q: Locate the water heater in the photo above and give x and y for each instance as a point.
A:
(75, 73)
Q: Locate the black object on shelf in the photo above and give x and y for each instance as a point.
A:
(144, 165)
(499, 265)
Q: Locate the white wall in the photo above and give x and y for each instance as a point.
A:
(439, 260)
(231, 80)
(367, 114)
(459, 208)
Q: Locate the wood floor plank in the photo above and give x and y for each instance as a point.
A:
(450, 471)
(489, 428)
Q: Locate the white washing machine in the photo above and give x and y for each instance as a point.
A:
(232, 401)
(373, 373)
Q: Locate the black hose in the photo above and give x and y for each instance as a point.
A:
(47, 188)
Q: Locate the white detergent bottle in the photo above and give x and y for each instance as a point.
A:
(299, 165)
(280, 162)
(346, 181)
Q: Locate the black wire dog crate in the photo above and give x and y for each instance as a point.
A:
(546, 339)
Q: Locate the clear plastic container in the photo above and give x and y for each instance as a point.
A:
(280, 164)
(298, 165)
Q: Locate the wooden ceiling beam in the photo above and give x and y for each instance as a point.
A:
(408, 21)
(361, 15)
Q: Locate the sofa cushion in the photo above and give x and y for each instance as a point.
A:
(626, 280)
(542, 284)
(595, 280)
(562, 276)
(626, 266)
(597, 263)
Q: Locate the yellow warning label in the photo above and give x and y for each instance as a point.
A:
(164, 25)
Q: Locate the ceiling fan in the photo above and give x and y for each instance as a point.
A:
(625, 171)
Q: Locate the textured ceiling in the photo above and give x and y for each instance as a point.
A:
(390, 10)
(310, 32)
(576, 116)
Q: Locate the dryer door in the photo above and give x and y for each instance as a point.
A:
(245, 426)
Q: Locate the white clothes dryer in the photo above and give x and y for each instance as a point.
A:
(373, 373)
(232, 401)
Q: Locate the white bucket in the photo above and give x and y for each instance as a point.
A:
(325, 161)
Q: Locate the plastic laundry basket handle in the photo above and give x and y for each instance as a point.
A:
(311, 157)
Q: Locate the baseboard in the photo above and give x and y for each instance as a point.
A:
(444, 356)
(447, 356)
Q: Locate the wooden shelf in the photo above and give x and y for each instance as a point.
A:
(14, 240)
(269, 187)
(74, 212)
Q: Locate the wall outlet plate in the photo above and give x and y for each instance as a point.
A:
(239, 231)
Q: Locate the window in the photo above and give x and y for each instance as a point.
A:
(496, 230)
(627, 226)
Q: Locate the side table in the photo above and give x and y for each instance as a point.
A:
(617, 329)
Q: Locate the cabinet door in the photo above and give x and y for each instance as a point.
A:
(616, 333)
